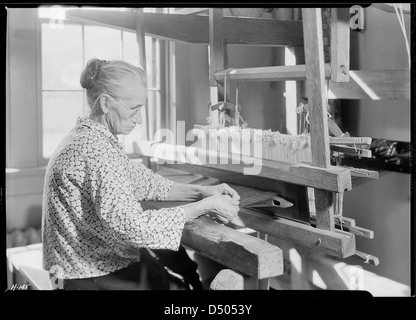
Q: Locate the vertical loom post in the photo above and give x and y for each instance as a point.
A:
(340, 44)
(217, 57)
(315, 82)
(140, 38)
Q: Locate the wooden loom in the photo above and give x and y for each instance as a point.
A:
(316, 188)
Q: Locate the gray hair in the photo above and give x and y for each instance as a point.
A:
(102, 76)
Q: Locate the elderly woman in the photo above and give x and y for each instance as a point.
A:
(96, 235)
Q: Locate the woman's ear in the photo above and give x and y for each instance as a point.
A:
(104, 103)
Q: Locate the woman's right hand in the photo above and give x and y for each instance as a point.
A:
(220, 207)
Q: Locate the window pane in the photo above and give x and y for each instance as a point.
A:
(61, 57)
(102, 43)
(60, 112)
(152, 62)
(131, 48)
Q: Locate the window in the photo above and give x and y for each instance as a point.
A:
(65, 51)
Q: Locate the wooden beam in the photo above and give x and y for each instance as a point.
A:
(216, 44)
(363, 84)
(355, 141)
(345, 226)
(190, 10)
(359, 175)
(338, 243)
(332, 178)
(217, 59)
(359, 152)
(278, 73)
(251, 256)
(195, 28)
(315, 77)
(282, 228)
(340, 44)
(374, 85)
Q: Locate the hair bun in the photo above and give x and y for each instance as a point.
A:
(90, 73)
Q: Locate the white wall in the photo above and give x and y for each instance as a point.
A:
(382, 205)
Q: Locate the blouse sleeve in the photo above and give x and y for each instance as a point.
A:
(148, 185)
(122, 215)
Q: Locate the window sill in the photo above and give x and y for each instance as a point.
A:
(24, 172)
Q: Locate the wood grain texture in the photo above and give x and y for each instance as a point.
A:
(338, 243)
(277, 73)
(251, 256)
(358, 141)
(194, 28)
(237, 30)
(345, 225)
(332, 178)
(373, 85)
(217, 59)
(324, 210)
(317, 101)
(216, 43)
(340, 44)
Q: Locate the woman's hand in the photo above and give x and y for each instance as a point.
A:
(221, 208)
(221, 189)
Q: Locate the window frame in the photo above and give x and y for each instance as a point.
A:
(165, 83)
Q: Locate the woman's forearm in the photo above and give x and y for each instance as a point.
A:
(184, 192)
(194, 210)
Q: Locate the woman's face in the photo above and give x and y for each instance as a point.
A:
(124, 113)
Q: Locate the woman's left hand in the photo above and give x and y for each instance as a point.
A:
(221, 189)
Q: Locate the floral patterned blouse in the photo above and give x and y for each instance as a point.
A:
(92, 222)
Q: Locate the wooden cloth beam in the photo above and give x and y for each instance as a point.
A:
(278, 73)
(244, 253)
(233, 249)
